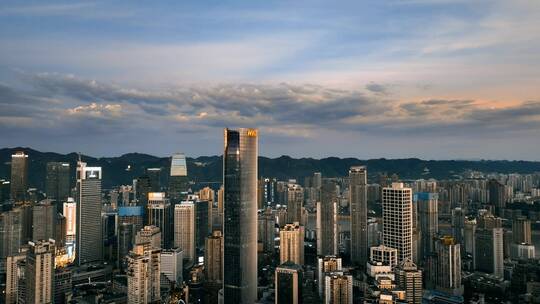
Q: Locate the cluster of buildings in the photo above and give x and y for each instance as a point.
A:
(334, 240)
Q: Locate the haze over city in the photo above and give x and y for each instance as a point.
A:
(429, 79)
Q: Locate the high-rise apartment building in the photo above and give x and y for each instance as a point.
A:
(143, 275)
(458, 224)
(295, 201)
(240, 215)
(489, 254)
(57, 182)
(497, 195)
(178, 179)
(288, 282)
(428, 221)
(325, 265)
(327, 220)
(409, 279)
(89, 236)
(184, 230)
(521, 230)
(359, 219)
(291, 244)
(39, 273)
(397, 219)
(446, 272)
(149, 236)
(267, 230)
(19, 176)
(213, 257)
(338, 288)
(159, 214)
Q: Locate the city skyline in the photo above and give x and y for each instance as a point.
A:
(432, 79)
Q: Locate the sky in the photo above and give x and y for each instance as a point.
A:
(432, 79)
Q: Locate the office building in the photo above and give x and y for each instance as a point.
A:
(184, 230)
(428, 222)
(63, 285)
(359, 219)
(90, 243)
(291, 244)
(172, 265)
(154, 177)
(143, 275)
(338, 288)
(397, 220)
(178, 179)
(325, 265)
(409, 279)
(288, 283)
(385, 255)
(240, 215)
(57, 182)
(326, 220)
(131, 215)
(19, 176)
(44, 221)
(295, 202)
(203, 227)
(213, 258)
(126, 241)
(39, 272)
(159, 214)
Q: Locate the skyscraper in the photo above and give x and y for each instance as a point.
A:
(291, 242)
(43, 221)
(154, 177)
(89, 237)
(203, 215)
(149, 237)
(240, 215)
(160, 215)
(326, 220)
(447, 272)
(19, 176)
(295, 201)
(359, 220)
(288, 282)
(184, 230)
(409, 279)
(428, 221)
(178, 179)
(143, 275)
(39, 274)
(70, 213)
(458, 224)
(11, 234)
(57, 182)
(397, 219)
(213, 262)
(338, 288)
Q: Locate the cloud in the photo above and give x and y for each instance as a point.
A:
(377, 88)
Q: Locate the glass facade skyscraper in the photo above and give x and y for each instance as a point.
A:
(240, 216)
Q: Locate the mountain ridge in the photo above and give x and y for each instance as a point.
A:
(205, 169)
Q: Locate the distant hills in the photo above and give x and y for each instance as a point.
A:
(209, 168)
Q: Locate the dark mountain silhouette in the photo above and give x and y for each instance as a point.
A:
(209, 168)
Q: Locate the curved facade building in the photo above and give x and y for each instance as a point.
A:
(240, 216)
